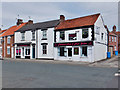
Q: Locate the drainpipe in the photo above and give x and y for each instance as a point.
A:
(36, 44)
(4, 46)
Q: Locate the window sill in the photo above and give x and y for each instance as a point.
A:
(22, 40)
(32, 39)
(44, 39)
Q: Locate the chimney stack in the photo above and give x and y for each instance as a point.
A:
(62, 18)
(114, 28)
(19, 21)
(30, 21)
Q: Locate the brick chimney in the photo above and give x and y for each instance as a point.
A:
(30, 21)
(19, 21)
(62, 18)
(114, 28)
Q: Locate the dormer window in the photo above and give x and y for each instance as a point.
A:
(85, 33)
(23, 36)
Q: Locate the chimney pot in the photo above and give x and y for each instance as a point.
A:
(62, 18)
(30, 21)
(114, 28)
(19, 21)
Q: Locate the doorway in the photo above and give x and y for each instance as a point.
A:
(33, 51)
(69, 52)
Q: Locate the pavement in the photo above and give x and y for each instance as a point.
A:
(112, 62)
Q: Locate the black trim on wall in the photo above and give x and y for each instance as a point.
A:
(93, 32)
(43, 29)
(44, 43)
(44, 39)
(54, 36)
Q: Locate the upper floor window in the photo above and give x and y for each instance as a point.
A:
(73, 36)
(115, 39)
(102, 34)
(112, 38)
(0, 40)
(23, 36)
(109, 38)
(33, 35)
(97, 30)
(44, 34)
(62, 35)
(8, 50)
(85, 33)
(8, 40)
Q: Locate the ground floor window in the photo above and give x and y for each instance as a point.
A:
(76, 50)
(8, 50)
(62, 51)
(27, 51)
(44, 49)
(84, 51)
(18, 51)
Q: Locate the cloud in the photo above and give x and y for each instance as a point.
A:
(44, 11)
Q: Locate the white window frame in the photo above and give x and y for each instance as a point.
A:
(44, 34)
(8, 50)
(8, 40)
(81, 51)
(23, 36)
(33, 35)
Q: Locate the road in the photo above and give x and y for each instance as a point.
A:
(25, 74)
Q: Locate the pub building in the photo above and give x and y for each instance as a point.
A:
(81, 39)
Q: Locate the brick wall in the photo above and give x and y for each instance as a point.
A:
(4, 49)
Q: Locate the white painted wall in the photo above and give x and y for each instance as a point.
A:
(100, 50)
(79, 35)
(89, 58)
(50, 40)
(28, 37)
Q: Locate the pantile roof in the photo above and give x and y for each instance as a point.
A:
(78, 22)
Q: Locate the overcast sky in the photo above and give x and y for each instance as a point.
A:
(44, 11)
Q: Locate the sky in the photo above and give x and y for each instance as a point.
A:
(45, 11)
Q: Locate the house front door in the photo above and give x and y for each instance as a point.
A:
(33, 51)
(69, 52)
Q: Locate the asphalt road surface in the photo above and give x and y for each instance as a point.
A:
(25, 74)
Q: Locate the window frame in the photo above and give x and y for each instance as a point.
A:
(33, 35)
(82, 51)
(8, 40)
(102, 36)
(71, 38)
(8, 50)
(62, 33)
(77, 52)
(44, 34)
(44, 49)
(83, 31)
(23, 36)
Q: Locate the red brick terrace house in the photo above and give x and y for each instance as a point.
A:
(7, 39)
(113, 41)
(1, 31)
(118, 33)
